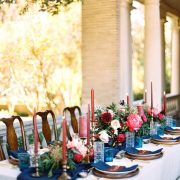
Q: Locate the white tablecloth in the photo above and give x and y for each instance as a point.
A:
(165, 168)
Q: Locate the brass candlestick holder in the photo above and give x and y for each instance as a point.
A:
(87, 159)
(93, 134)
(64, 175)
(151, 123)
(36, 173)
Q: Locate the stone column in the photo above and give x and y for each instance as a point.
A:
(163, 75)
(153, 64)
(175, 81)
(125, 49)
(106, 51)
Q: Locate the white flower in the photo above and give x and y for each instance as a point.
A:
(115, 125)
(104, 136)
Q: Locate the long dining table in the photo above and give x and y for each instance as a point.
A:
(165, 168)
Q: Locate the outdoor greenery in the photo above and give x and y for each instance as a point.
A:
(40, 57)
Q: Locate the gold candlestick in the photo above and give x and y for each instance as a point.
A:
(36, 173)
(93, 134)
(151, 123)
(87, 160)
(64, 175)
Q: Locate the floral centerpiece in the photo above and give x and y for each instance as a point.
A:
(158, 116)
(76, 153)
(113, 121)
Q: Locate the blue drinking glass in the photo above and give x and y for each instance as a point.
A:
(108, 154)
(24, 160)
(138, 142)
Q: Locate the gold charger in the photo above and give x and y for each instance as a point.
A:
(172, 132)
(115, 176)
(165, 142)
(150, 157)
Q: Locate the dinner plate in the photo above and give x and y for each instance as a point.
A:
(144, 153)
(165, 139)
(112, 171)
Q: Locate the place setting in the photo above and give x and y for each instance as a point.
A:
(103, 169)
(166, 139)
(172, 130)
(142, 154)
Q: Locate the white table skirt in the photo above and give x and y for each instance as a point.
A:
(165, 168)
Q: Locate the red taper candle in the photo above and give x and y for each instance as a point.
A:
(92, 104)
(64, 125)
(35, 132)
(151, 95)
(88, 125)
(164, 102)
(128, 101)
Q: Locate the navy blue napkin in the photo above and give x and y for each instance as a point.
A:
(26, 174)
(132, 150)
(160, 138)
(14, 154)
(168, 128)
(105, 167)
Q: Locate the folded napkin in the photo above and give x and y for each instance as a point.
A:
(105, 167)
(146, 137)
(165, 138)
(14, 154)
(132, 150)
(74, 174)
(168, 128)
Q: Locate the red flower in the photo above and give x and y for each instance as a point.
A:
(78, 157)
(144, 118)
(121, 138)
(160, 116)
(106, 117)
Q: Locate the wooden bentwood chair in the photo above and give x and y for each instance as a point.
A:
(11, 136)
(74, 121)
(46, 130)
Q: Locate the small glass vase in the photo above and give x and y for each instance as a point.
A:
(160, 130)
(138, 142)
(130, 139)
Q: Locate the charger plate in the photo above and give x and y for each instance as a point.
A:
(115, 176)
(172, 132)
(155, 141)
(151, 157)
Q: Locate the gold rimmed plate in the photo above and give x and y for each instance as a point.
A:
(168, 142)
(151, 157)
(115, 176)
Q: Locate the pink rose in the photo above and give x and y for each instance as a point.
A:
(161, 116)
(134, 122)
(144, 118)
(121, 138)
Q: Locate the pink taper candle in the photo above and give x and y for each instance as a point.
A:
(88, 125)
(83, 126)
(92, 104)
(128, 102)
(64, 140)
(140, 110)
(151, 95)
(164, 101)
(35, 132)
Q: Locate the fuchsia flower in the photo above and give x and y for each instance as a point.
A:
(161, 116)
(134, 122)
(106, 117)
(121, 138)
(155, 111)
(144, 118)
